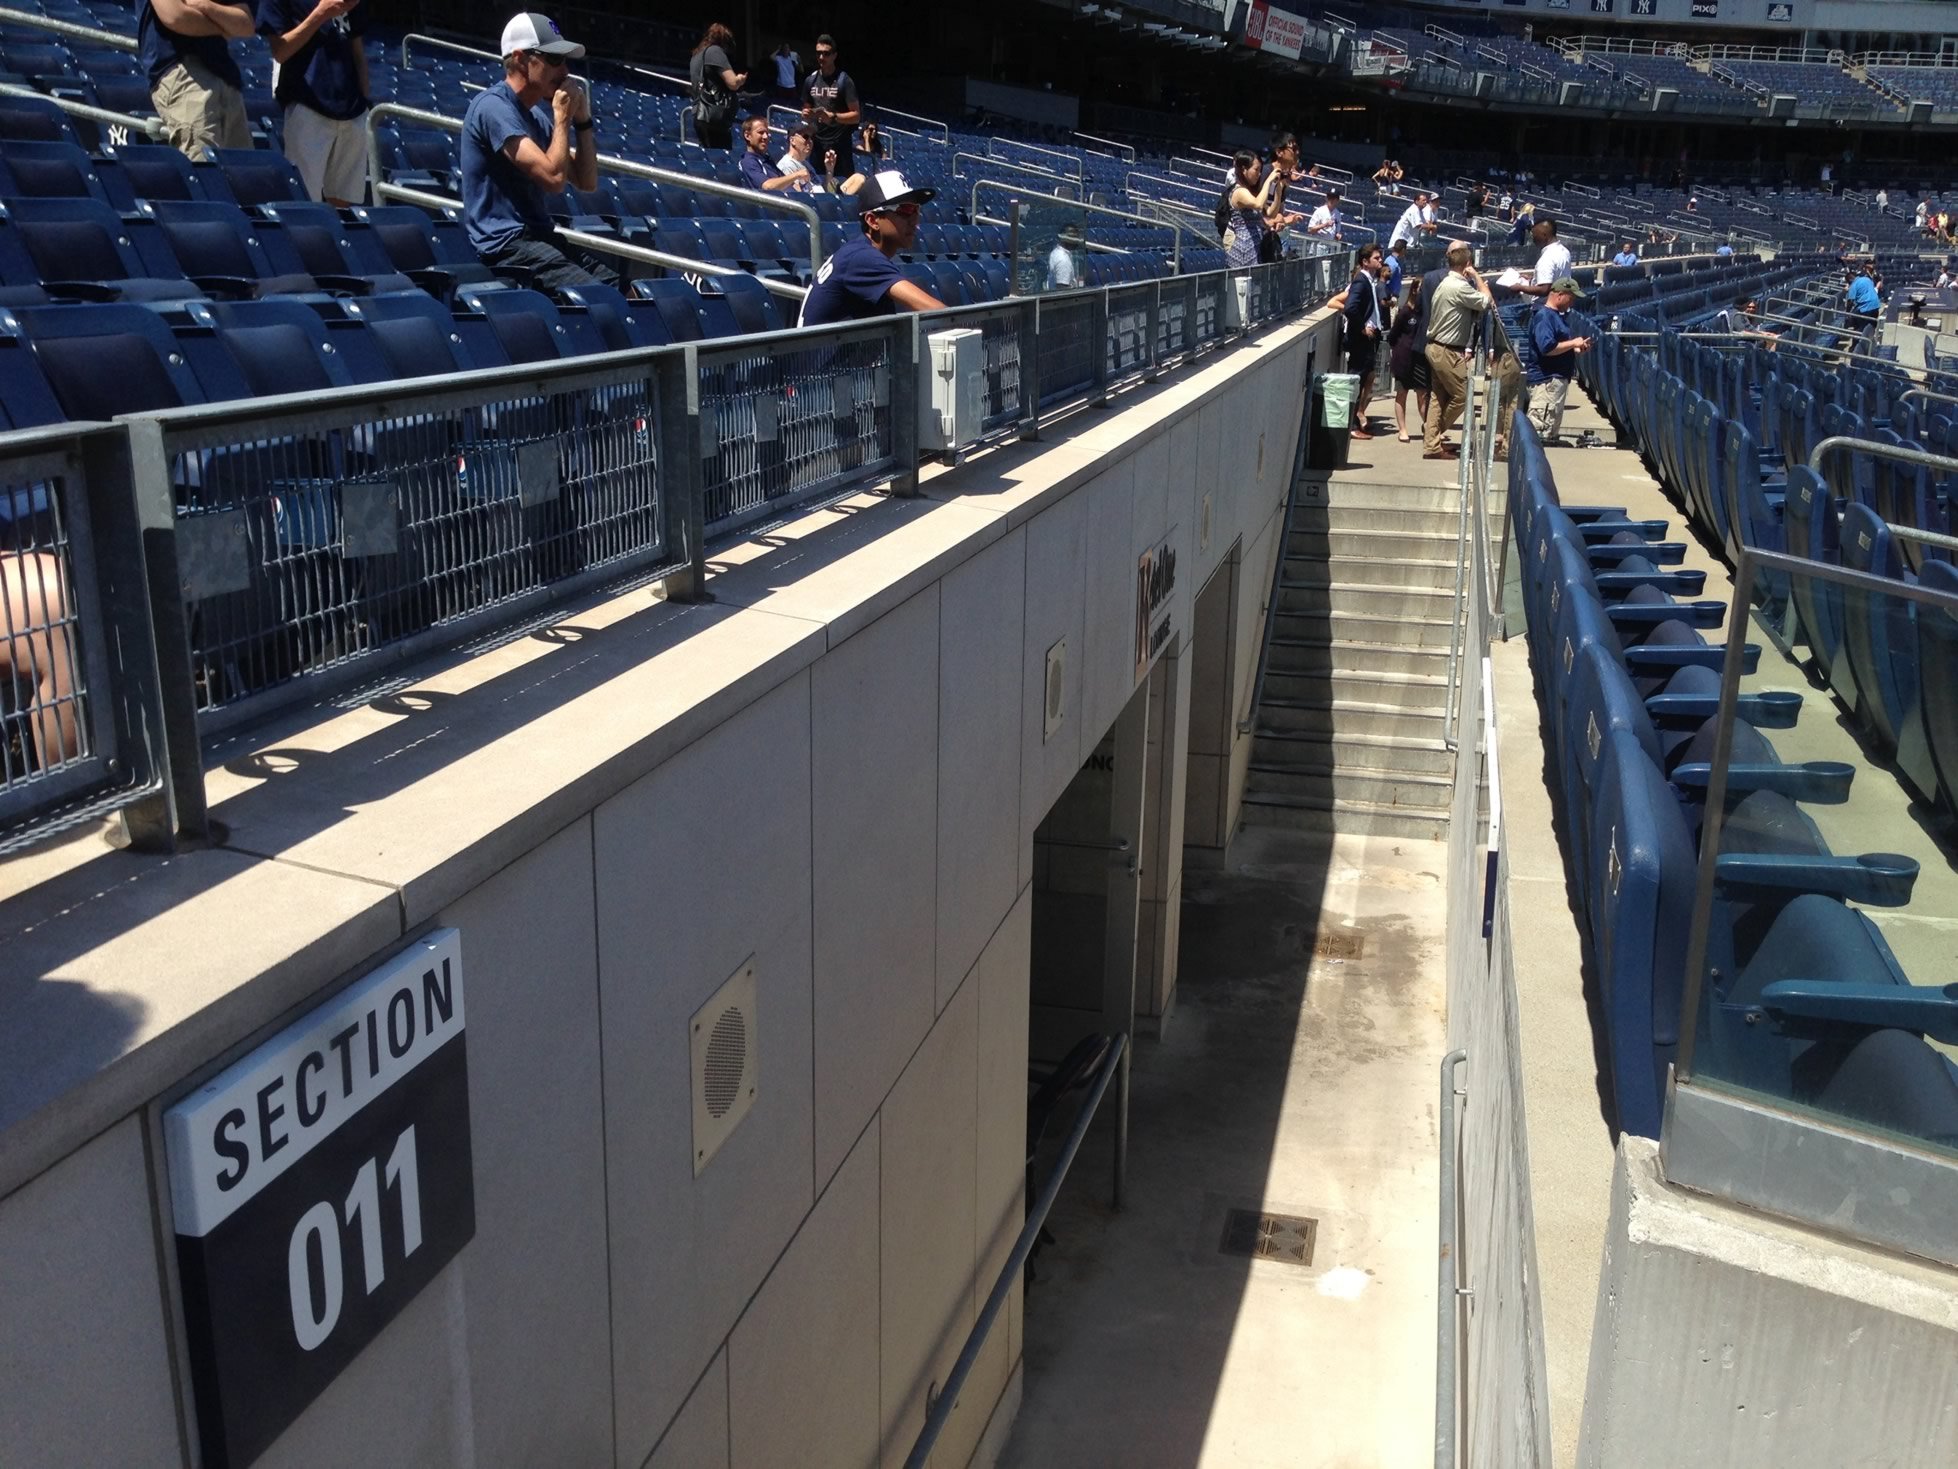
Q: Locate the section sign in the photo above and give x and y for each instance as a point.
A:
(319, 1183)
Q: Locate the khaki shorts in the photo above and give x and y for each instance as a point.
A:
(199, 110)
(329, 152)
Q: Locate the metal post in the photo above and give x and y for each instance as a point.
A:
(907, 349)
(1447, 1272)
(1013, 241)
(1098, 333)
(1121, 1170)
(1154, 369)
(676, 409)
(181, 815)
(1030, 371)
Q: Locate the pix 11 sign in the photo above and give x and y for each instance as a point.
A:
(318, 1184)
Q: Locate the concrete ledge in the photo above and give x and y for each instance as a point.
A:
(347, 827)
(1726, 1337)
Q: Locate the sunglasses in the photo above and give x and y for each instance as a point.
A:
(906, 210)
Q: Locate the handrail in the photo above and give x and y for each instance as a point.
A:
(407, 59)
(1899, 453)
(1113, 1060)
(1041, 173)
(930, 122)
(1121, 148)
(606, 164)
(1175, 227)
(685, 84)
(95, 34)
(1154, 178)
(1080, 169)
(149, 127)
(1448, 1290)
(1210, 153)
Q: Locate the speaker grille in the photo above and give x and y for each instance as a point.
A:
(727, 1060)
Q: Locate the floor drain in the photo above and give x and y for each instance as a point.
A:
(1339, 944)
(1286, 1239)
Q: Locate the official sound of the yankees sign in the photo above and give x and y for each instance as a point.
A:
(318, 1184)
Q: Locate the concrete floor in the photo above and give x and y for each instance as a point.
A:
(1297, 1076)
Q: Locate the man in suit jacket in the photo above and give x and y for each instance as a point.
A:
(1366, 327)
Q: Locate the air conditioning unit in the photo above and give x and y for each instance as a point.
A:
(1237, 304)
(953, 369)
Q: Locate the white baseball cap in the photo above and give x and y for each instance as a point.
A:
(530, 31)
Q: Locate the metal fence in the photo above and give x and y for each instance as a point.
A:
(184, 572)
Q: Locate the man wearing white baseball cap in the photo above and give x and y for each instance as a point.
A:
(522, 142)
(861, 279)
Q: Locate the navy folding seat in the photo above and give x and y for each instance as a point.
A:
(529, 326)
(29, 119)
(623, 324)
(338, 253)
(721, 241)
(127, 94)
(677, 304)
(26, 401)
(761, 244)
(679, 237)
(81, 247)
(409, 237)
(158, 171)
(258, 175)
(947, 285)
(217, 246)
(410, 334)
(1878, 639)
(275, 347)
(49, 171)
(635, 196)
(1891, 1080)
(738, 305)
(1937, 658)
(101, 359)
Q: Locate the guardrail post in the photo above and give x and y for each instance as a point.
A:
(1155, 368)
(1098, 334)
(179, 813)
(908, 349)
(1028, 327)
(683, 506)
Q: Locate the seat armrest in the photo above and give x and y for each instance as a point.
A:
(1805, 1008)
(1665, 553)
(1880, 879)
(1693, 614)
(1643, 658)
(1819, 782)
(1775, 709)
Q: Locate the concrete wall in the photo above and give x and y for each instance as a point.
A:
(834, 770)
(1727, 1337)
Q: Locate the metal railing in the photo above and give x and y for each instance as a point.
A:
(214, 563)
(1057, 181)
(624, 167)
(1475, 466)
(94, 35)
(1176, 227)
(1448, 1283)
(148, 127)
(1122, 152)
(1113, 1063)
(1070, 163)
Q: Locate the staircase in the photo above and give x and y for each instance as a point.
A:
(1348, 732)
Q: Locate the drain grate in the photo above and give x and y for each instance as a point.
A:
(1339, 944)
(1286, 1239)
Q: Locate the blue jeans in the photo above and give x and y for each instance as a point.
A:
(554, 264)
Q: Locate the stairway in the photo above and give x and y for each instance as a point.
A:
(1348, 732)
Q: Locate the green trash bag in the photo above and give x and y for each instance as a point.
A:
(1337, 392)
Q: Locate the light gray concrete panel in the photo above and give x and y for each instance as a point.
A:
(1184, 495)
(875, 848)
(84, 1360)
(930, 1170)
(981, 621)
(700, 865)
(698, 1437)
(1210, 471)
(1153, 509)
(802, 1362)
(1108, 667)
(1003, 975)
(403, 1400)
(1056, 541)
(539, 1309)
(1212, 621)
(1724, 1336)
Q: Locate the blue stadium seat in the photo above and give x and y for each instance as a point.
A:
(82, 247)
(528, 326)
(1879, 641)
(27, 119)
(410, 334)
(157, 171)
(339, 254)
(622, 323)
(276, 347)
(417, 249)
(677, 304)
(105, 359)
(218, 248)
(738, 305)
(50, 171)
(258, 175)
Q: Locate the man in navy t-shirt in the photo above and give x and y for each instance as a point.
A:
(322, 90)
(1552, 358)
(861, 280)
(758, 170)
(523, 141)
(829, 106)
(194, 83)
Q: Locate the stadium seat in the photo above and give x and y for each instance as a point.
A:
(81, 247)
(677, 304)
(218, 248)
(105, 359)
(258, 175)
(51, 170)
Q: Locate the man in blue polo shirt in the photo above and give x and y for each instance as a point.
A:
(322, 90)
(758, 170)
(523, 140)
(861, 279)
(1553, 354)
(194, 83)
(1864, 300)
(1627, 254)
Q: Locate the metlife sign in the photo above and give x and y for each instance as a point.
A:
(318, 1184)
(1267, 28)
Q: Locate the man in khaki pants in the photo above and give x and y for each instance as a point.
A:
(1454, 315)
(194, 83)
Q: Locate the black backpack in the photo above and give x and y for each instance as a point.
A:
(1223, 215)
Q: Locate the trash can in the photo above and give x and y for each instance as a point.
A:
(1330, 420)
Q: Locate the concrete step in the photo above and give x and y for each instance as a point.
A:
(1371, 544)
(1360, 627)
(1388, 690)
(1321, 714)
(1352, 818)
(1318, 516)
(1393, 790)
(1342, 492)
(1373, 571)
(1317, 750)
(1321, 657)
(1419, 604)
